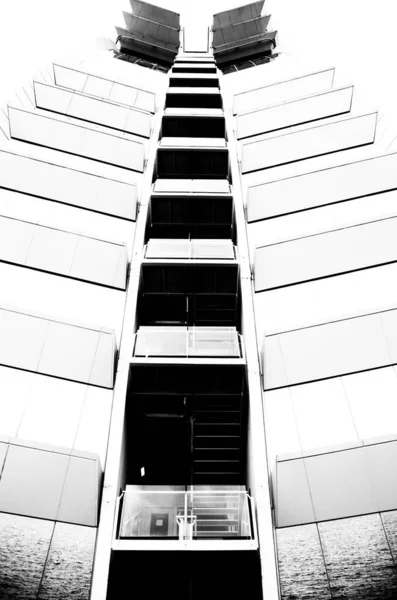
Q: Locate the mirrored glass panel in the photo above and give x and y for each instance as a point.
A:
(69, 563)
(23, 552)
(301, 564)
(358, 559)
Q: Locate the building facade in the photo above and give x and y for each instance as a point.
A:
(198, 319)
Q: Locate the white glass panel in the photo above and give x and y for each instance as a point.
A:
(326, 300)
(282, 434)
(68, 299)
(382, 464)
(97, 86)
(221, 249)
(163, 248)
(191, 142)
(194, 249)
(70, 352)
(98, 261)
(21, 339)
(331, 349)
(323, 187)
(322, 414)
(308, 143)
(312, 108)
(52, 98)
(92, 110)
(213, 341)
(212, 186)
(181, 341)
(161, 341)
(15, 239)
(52, 250)
(69, 78)
(67, 186)
(372, 397)
(60, 135)
(327, 254)
(340, 484)
(14, 394)
(79, 501)
(52, 412)
(123, 94)
(42, 473)
(283, 91)
(97, 408)
(293, 501)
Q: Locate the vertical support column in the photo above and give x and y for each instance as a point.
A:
(114, 457)
(257, 455)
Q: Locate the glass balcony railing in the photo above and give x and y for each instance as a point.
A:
(190, 249)
(202, 512)
(221, 342)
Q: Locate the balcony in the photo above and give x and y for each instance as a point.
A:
(196, 249)
(188, 342)
(171, 513)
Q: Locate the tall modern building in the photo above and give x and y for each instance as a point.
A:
(198, 326)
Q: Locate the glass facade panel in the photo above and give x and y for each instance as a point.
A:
(23, 551)
(358, 559)
(301, 564)
(171, 512)
(183, 341)
(389, 521)
(67, 573)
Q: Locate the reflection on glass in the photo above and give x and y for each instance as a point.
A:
(187, 341)
(358, 559)
(389, 520)
(23, 552)
(199, 513)
(69, 563)
(301, 564)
